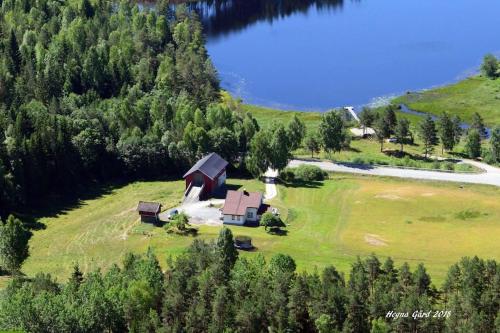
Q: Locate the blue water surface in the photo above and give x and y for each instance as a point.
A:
(316, 55)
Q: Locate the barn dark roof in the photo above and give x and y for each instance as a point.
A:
(149, 207)
(210, 165)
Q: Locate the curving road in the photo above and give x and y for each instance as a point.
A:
(490, 176)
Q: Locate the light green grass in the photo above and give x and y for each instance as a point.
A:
(266, 116)
(475, 94)
(330, 223)
(100, 231)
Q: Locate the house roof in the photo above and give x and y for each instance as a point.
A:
(148, 207)
(210, 165)
(237, 202)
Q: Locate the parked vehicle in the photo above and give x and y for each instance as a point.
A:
(172, 213)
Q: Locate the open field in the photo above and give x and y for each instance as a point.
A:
(330, 223)
(101, 230)
(265, 116)
(475, 94)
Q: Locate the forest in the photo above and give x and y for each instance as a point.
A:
(95, 91)
(210, 288)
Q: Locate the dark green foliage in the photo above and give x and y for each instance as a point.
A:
(495, 145)
(252, 296)
(366, 117)
(312, 144)
(332, 131)
(99, 90)
(478, 125)
(382, 128)
(179, 224)
(473, 144)
(448, 132)
(428, 134)
(309, 173)
(271, 222)
(490, 66)
(13, 244)
(270, 148)
(287, 175)
(402, 131)
(296, 131)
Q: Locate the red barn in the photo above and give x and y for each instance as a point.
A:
(206, 177)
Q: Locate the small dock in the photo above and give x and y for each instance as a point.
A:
(350, 109)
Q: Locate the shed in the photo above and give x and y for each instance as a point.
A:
(208, 174)
(149, 211)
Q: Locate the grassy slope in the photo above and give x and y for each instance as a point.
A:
(475, 94)
(328, 225)
(266, 116)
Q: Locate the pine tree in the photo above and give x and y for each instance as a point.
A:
(296, 131)
(447, 132)
(428, 134)
(473, 144)
(495, 144)
(13, 244)
(402, 131)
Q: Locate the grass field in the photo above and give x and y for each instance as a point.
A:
(265, 116)
(330, 223)
(475, 94)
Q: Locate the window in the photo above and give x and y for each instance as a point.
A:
(238, 217)
(232, 217)
(250, 215)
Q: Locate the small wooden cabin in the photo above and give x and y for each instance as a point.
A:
(149, 211)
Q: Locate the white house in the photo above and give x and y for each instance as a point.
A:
(241, 207)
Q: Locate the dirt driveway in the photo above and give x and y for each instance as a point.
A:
(201, 212)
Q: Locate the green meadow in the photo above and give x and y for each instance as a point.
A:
(475, 94)
(330, 222)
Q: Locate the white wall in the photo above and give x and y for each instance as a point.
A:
(238, 220)
(254, 216)
(222, 179)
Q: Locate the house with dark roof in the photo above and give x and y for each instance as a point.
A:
(241, 207)
(207, 176)
(149, 211)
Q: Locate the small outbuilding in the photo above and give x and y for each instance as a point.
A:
(208, 175)
(149, 211)
(242, 206)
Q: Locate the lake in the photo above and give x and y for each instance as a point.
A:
(316, 55)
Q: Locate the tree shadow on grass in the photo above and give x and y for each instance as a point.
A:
(298, 183)
(277, 232)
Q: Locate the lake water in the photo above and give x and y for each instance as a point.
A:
(316, 55)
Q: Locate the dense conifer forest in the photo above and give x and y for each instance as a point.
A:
(93, 91)
(210, 288)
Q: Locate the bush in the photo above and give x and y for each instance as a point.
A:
(271, 221)
(310, 173)
(448, 166)
(287, 175)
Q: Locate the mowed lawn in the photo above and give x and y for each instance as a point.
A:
(330, 222)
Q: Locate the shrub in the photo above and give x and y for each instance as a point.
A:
(271, 221)
(309, 173)
(448, 166)
(287, 175)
